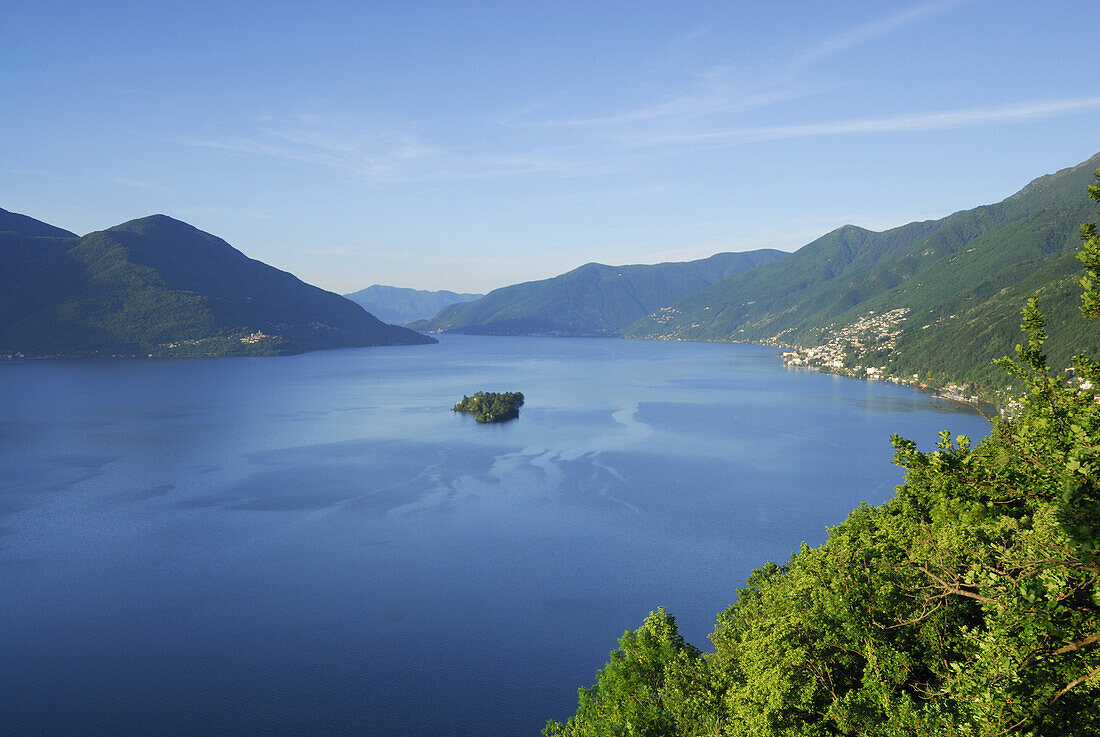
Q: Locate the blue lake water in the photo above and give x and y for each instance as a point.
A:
(316, 545)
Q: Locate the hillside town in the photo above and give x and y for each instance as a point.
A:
(850, 347)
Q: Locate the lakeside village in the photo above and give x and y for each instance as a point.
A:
(847, 346)
(842, 353)
(874, 335)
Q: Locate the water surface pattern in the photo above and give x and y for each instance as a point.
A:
(317, 545)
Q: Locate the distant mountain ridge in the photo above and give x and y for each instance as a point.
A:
(159, 286)
(938, 299)
(592, 300)
(960, 281)
(400, 305)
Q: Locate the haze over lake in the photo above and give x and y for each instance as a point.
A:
(317, 545)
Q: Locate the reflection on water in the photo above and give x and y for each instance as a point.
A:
(317, 545)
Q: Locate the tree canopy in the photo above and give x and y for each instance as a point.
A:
(491, 406)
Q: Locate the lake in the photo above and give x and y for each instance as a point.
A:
(316, 545)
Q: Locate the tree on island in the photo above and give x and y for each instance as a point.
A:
(968, 605)
(491, 406)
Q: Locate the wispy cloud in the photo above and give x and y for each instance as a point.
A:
(710, 112)
(718, 95)
(726, 90)
(922, 122)
(303, 138)
(389, 156)
(867, 32)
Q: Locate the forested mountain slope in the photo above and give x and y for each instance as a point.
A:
(160, 286)
(962, 277)
(591, 300)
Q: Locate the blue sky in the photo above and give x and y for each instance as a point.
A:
(470, 145)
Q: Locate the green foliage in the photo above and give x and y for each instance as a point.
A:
(1090, 257)
(491, 406)
(632, 693)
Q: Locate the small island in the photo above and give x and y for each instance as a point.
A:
(492, 406)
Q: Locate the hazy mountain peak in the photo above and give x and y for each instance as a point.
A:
(401, 305)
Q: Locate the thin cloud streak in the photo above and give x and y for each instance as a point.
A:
(723, 93)
(867, 32)
(405, 162)
(926, 122)
(583, 147)
(343, 145)
(717, 97)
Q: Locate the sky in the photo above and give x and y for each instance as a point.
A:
(470, 145)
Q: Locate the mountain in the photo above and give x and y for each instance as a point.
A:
(952, 288)
(401, 306)
(162, 287)
(36, 272)
(592, 300)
